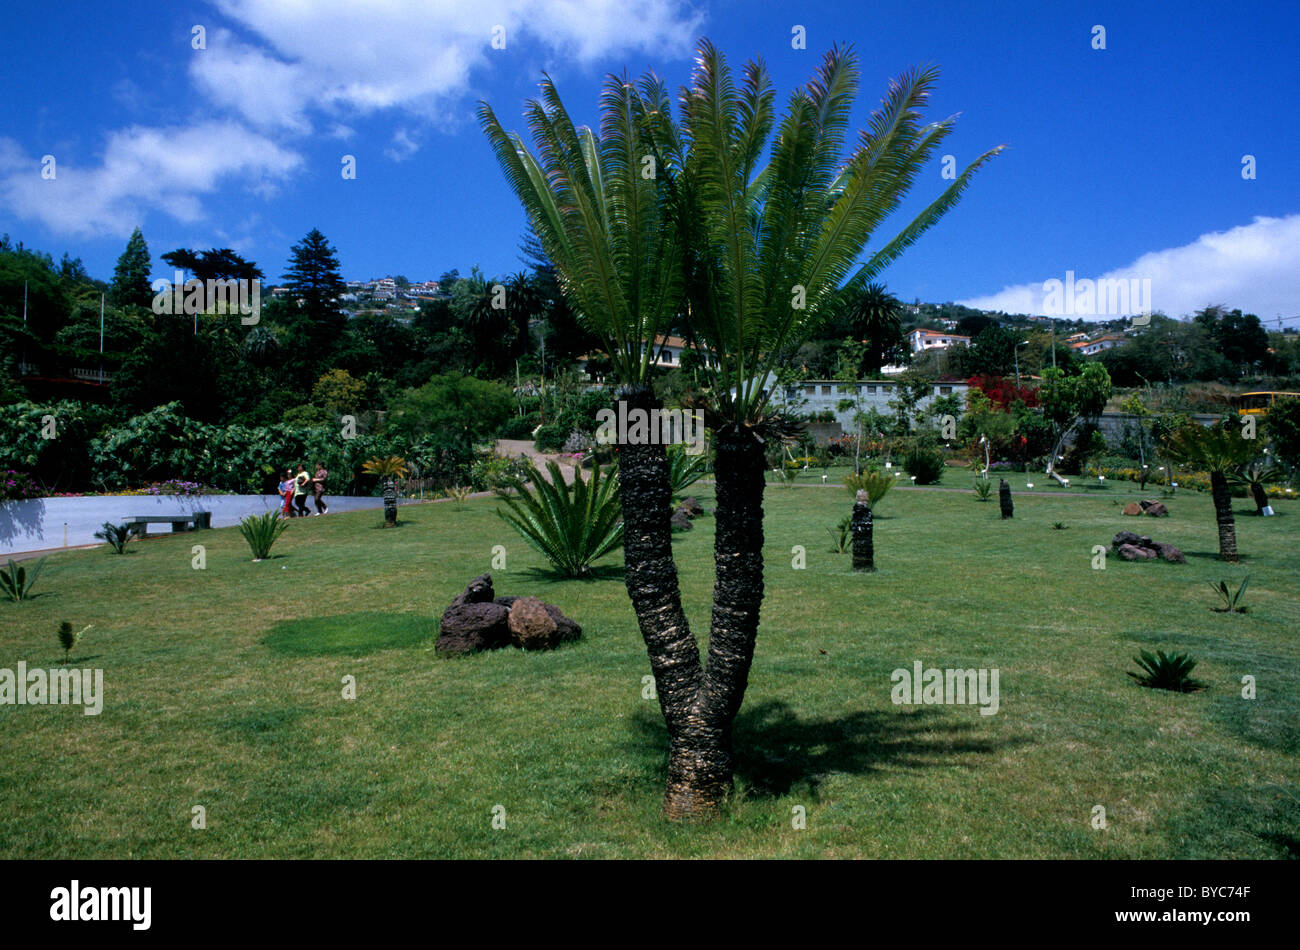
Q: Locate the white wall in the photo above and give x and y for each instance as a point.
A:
(38, 524)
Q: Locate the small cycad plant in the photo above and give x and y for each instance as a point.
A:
(117, 535)
(840, 535)
(876, 484)
(15, 581)
(572, 525)
(983, 489)
(1231, 601)
(261, 532)
(68, 639)
(1167, 671)
(684, 470)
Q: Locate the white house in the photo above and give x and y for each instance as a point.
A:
(921, 340)
(1092, 347)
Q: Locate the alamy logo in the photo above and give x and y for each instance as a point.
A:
(208, 296)
(651, 427)
(936, 687)
(103, 903)
(1107, 296)
(57, 687)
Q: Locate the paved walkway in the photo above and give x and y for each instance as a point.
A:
(523, 448)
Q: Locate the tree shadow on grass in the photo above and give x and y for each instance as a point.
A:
(599, 572)
(777, 752)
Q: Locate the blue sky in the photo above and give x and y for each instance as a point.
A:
(1124, 162)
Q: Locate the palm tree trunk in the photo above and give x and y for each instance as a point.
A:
(651, 579)
(1223, 515)
(390, 502)
(704, 756)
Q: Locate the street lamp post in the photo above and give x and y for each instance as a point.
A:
(1017, 355)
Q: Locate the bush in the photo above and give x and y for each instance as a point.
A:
(571, 525)
(15, 583)
(519, 427)
(875, 483)
(1171, 672)
(18, 485)
(261, 531)
(925, 463)
(117, 535)
(551, 438)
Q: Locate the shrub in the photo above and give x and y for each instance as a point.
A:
(68, 639)
(571, 525)
(551, 438)
(1172, 672)
(925, 463)
(18, 485)
(683, 470)
(1231, 601)
(116, 535)
(261, 532)
(15, 583)
(875, 483)
(983, 489)
(840, 535)
(518, 427)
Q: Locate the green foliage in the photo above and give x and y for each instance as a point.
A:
(1282, 425)
(261, 532)
(1058, 525)
(983, 489)
(874, 482)
(1171, 672)
(460, 409)
(392, 466)
(841, 535)
(68, 639)
(518, 427)
(551, 438)
(131, 275)
(684, 470)
(1231, 600)
(117, 535)
(15, 583)
(571, 525)
(925, 463)
(1218, 448)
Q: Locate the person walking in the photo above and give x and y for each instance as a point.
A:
(318, 488)
(286, 492)
(300, 484)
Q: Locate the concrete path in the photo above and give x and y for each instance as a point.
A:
(523, 448)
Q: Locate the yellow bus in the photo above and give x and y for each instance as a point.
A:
(1258, 404)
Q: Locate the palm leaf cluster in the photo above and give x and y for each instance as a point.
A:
(767, 239)
(117, 535)
(1167, 671)
(261, 532)
(1212, 449)
(571, 525)
(684, 470)
(875, 483)
(15, 583)
(597, 210)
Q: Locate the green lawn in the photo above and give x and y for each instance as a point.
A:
(223, 689)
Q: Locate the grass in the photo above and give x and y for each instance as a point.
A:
(223, 688)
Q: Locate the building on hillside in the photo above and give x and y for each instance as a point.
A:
(1106, 341)
(809, 396)
(918, 341)
(666, 353)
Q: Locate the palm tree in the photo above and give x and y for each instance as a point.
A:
(753, 254)
(875, 316)
(388, 469)
(1221, 451)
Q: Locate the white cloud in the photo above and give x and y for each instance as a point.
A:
(416, 55)
(165, 169)
(403, 146)
(1254, 267)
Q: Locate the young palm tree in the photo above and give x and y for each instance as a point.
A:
(1221, 451)
(388, 469)
(753, 253)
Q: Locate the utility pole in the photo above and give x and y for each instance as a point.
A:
(101, 338)
(1053, 319)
